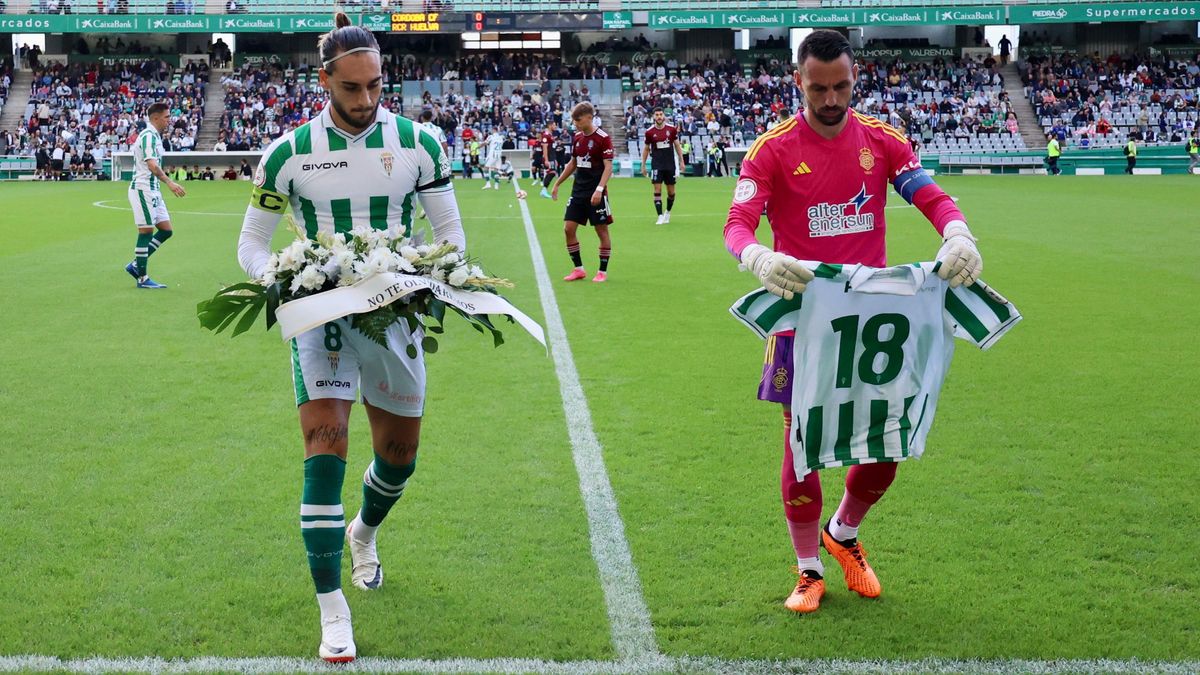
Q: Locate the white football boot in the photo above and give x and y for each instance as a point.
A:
(365, 571)
(337, 639)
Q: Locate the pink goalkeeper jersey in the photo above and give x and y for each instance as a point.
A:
(825, 197)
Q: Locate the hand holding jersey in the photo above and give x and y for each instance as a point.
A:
(780, 273)
(961, 263)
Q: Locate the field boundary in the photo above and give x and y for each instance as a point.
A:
(642, 666)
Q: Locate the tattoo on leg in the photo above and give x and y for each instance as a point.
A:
(328, 434)
(395, 449)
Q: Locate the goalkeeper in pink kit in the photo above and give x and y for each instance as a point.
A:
(823, 178)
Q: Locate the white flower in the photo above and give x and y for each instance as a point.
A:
(424, 249)
(451, 258)
(477, 271)
(378, 261)
(291, 258)
(403, 265)
(409, 253)
(458, 277)
(311, 278)
(268, 277)
(439, 274)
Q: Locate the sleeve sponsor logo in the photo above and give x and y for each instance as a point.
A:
(260, 176)
(745, 190)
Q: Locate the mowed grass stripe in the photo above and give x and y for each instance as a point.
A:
(153, 470)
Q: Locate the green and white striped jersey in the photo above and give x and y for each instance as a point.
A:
(871, 352)
(147, 146)
(334, 181)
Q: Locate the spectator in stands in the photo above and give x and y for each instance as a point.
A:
(230, 174)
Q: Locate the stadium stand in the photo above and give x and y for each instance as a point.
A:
(1096, 102)
(263, 102)
(95, 110)
(956, 106)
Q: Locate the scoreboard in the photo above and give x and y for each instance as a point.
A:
(450, 22)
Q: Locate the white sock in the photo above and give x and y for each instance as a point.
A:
(813, 564)
(360, 531)
(333, 604)
(840, 531)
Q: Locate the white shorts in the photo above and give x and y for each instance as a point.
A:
(492, 162)
(149, 209)
(337, 361)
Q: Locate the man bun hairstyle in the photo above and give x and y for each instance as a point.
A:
(156, 108)
(824, 45)
(344, 39)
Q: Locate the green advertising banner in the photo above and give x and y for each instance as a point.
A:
(907, 53)
(114, 59)
(197, 23)
(378, 21)
(616, 20)
(1110, 11)
(914, 16)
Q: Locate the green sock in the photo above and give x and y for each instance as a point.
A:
(322, 520)
(383, 484)
(159, 237)
(142, 251)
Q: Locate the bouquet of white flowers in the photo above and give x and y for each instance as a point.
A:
(306, 268)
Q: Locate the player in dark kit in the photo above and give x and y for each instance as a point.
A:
(592, 157)
(662, 146)
(549, 147)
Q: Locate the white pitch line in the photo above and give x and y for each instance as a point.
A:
(628, 616)
(643, 666)
(102, 205)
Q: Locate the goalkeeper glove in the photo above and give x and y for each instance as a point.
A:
(780, 273)
(959, 258)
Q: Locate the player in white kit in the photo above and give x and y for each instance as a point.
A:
(426, 120)
(493, 158)
(354, 165)
(149, 210)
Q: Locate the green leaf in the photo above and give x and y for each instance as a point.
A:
(411, 350)
(429, 344)
(272, 303)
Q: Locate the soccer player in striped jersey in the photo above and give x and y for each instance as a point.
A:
(354, 165)
(149, 210)
(823, 177)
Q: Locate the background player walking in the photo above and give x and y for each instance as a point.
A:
(491, 160)
(591, 158)
(662, 146)
(355, 165)
(823, 178)
(149, 209)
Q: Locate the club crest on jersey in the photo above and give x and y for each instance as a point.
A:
(831, 220)
(334, 359)
(866, 160)
(780, 379)
(260, 176)
(386, 158)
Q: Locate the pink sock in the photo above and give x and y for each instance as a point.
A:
(865, 485)
(801, 504)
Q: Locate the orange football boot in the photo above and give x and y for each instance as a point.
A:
(810, 588)
(860, 578)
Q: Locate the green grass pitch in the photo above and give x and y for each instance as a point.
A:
(152, 470)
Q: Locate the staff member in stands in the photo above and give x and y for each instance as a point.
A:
(1053, 152)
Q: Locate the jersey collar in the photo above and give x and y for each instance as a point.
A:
(327, 121)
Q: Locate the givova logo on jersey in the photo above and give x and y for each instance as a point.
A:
(830, 220)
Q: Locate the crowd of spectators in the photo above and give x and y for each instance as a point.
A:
(1089, 100)
(498, 66)
(92, 110)
(265, 101)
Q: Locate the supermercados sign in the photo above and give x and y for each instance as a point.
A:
(1111, 11)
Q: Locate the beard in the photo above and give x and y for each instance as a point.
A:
(358, 119)
(830, 117)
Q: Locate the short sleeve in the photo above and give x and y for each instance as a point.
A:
(978, 314)
(434, 165)
(606, 147)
